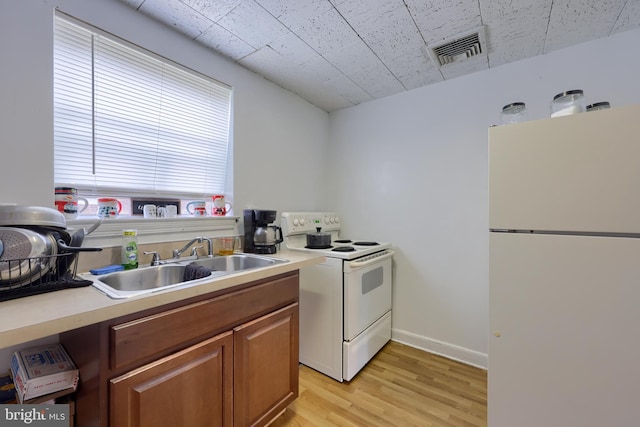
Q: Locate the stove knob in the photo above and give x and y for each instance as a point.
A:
(326, 220)
(337, 220)
(295, 222)
(301, 221)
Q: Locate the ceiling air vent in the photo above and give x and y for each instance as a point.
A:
(458, 48)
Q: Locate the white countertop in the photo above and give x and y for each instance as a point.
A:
(40, 316)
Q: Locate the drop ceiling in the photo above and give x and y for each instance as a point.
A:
(339, 53)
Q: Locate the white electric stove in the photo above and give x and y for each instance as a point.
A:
(345, 302)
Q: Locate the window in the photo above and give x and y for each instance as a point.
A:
(127, 122)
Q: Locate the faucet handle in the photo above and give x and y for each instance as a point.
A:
(155, 260)
(194, 250)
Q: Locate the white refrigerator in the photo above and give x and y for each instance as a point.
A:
(564, 218)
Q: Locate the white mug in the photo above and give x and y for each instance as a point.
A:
(109, 207)
(162, 212)
(197, 208)
(220, 206)
(172, 211)
(66, 201)
(149, 211)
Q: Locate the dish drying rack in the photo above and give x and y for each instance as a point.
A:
(38, 275)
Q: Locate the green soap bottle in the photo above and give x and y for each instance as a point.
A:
(129, 249)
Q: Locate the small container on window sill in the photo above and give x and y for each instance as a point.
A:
(516, 112)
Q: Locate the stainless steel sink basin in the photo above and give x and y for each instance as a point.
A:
(238, 262)
(145, 278)
(129, 283)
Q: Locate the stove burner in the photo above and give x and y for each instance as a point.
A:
(344, 249)
(342, 241)
(319, 247)
(366, 243)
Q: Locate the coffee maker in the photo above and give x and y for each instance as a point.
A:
(259, 236)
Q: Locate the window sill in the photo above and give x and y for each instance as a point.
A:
(156, 230)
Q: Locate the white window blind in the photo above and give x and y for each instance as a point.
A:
(129, 122)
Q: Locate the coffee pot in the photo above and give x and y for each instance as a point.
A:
(267, 236)
(259, 236)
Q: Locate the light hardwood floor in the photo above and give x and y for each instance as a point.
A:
(401, 386)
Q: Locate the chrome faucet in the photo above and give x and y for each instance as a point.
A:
(209, 246)
(178, 252)
(155, 260)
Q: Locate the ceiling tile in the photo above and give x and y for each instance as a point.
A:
(213, 10)
(291, 47)
(504, 51)
(267, 62)
(222, 41)
(319, 95)
(414, 70)
(295, 13)
(575, 21)
(376, 80)
(347, 89)
(251, 23)
(514, 29)
(352, 57)
(393, 35)
(276, 68)
(304, 80)
(367, 15)
(319, 68)
(177, 15)
(133, 3)
(629, 18)
(440, 20)
(327, 33)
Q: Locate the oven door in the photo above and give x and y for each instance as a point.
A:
(367, 292)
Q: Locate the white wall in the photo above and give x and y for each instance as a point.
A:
(412, 169)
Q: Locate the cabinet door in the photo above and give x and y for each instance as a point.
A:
(265, 366)
(190, 388)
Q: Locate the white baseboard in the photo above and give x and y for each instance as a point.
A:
(441, 348)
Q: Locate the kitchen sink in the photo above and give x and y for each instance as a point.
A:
(145, 278)
(238, 262)
(130, 283)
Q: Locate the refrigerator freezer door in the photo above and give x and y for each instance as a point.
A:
(576, 173)
(564, 322)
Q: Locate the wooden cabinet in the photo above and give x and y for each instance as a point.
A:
(223, 359)
(189, 388)
(265, 366)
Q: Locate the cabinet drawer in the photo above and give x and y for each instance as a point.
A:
(162, 333)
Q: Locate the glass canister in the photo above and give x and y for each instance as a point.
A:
(569, 102)
(515, 112)
(598, 106)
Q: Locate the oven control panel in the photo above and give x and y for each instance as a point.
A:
(305, 222)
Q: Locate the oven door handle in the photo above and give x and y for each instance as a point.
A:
(371, 259)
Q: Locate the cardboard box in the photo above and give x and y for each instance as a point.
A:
(42, 370)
